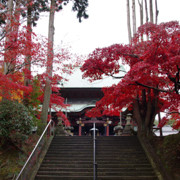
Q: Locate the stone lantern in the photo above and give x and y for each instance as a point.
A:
(127, 129)
(128, 119)
(59, 128)
(118, 129)
(68, 129)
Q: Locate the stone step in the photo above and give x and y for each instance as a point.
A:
(90, 173)
(79, 154)
(75, 170)
(104, 153)
(127, 177)
(86, 164)
(82, 157)
(120, 138)
(69, 150)
(74, 151)
(46, 177)
(98, 158)
(115, 146)
(77, 165)
(69, 158)
(104, 148)
(90, 169)
(98, 150)
(70, 162)
(73, 140)
(97, 140)
(127, 155)
(72, 137)
(135, 141)
(99, 162)
(72, 144)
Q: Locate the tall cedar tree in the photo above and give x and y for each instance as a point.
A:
(80, 7)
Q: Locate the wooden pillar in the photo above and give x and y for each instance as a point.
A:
(80, 129)
(107, 130)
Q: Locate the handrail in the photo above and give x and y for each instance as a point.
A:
(94, 153)
(32, 153)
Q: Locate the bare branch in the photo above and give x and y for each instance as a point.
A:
(173, 112)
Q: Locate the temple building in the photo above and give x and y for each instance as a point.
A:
(82, 95)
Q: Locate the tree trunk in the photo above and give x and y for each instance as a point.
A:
(9, 12)
(157, 11)
(17, 18)
(134, 16)
(29, 39)
(146, 9)
(137, 114)
(28, 55)
(9, 30)
(159, 119)
(141, 11)
(151, 10)
(48, 90)
(144, 112)
(6, 63)
(128, 22)
(12, 26)
(149, 113)
(15, 30)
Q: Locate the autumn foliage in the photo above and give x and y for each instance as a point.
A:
(153, 82)
(13, 69)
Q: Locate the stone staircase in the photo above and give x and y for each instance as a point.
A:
(118, 158)
(68, 158)
(122, 158)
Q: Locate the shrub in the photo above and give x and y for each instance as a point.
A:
(15, 122)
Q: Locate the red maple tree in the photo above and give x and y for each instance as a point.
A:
(153, 82)
(13, 67)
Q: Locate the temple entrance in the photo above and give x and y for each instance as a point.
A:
(106, 126)
(82, 125)
(85, 130)
(82, 99)
(85, 127)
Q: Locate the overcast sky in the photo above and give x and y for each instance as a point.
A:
(105, 26)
